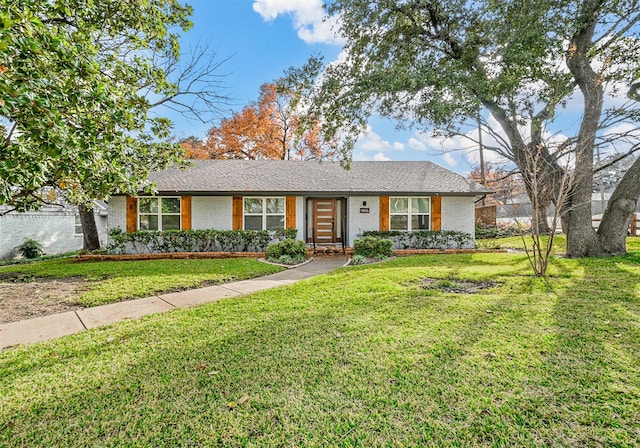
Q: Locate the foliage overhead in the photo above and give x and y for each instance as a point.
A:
(434, 63)
(437, 63)
(77, 81)
(267, 129)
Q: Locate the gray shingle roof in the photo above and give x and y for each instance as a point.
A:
(278, 176)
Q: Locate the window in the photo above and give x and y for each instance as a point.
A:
(159, 214)
(78, 226)
(410, 213)
(264, 213)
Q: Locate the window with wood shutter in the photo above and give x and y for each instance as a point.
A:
(409, 213)
(132, 214)
(384, 213)
(436, 213)
(159, 213)
(264, 213)
(291, 212)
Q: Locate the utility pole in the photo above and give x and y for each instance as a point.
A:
(601, 182)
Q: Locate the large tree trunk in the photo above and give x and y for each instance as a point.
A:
(582, 240)
(89, 229)
(617, 216)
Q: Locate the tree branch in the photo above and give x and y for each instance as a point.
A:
(612, 162)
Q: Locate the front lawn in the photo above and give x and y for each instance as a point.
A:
(516, 242)
(111, 281)
(394, 354)
(559, 243)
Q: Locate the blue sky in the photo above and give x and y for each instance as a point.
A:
(262, 38)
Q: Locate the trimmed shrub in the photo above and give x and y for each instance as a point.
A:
(296, 251)
(206, 240)
(426, 239)
(373, 247)
(30, 249)
(285, 259)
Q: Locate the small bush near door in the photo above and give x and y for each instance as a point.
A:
(287, 252)
(373, 247)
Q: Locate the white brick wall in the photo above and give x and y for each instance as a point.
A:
(54, 230)
(300, 217)
(458, 213)
(361, 222)
(211, 212)
(117, 208)
(216, 211)
(207, 212)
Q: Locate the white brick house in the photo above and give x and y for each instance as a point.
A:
(326, 203)
(56, 228)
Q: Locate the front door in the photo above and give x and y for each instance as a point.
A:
(326, 223)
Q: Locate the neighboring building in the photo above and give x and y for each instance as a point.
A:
(326, 203)
(56, 228)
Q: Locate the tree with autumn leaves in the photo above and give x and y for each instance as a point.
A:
(505, 183)
(267, 129)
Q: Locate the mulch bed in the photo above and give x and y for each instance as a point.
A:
(455, 285)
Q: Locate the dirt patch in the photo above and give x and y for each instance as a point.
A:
(26, 298)
(455, 285)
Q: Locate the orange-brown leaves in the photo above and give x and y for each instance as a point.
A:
(505, 183)
(267, 129)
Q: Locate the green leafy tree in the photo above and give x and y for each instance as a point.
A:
(78, 79)
(436, 63)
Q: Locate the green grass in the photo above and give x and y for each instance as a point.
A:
(361, 357)
(559, 243)
(516, 242)
(114, 281)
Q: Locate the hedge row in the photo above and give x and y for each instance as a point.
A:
(207, 240)
(426, 239)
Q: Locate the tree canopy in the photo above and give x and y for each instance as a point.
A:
(78, 79)
(269, 128)
(436, 63)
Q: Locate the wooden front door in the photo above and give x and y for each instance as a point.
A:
(326, 223)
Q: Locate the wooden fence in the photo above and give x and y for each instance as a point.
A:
(633, 225)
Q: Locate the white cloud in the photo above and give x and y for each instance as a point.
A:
(309, 18)
(468, 147)
(458, 147)
(371, 141)
(361, 156)
(449, 159)
(381, 157)
(414, 143)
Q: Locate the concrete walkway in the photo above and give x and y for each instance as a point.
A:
(58, 325)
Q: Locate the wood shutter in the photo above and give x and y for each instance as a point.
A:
(436, 213)
(290, 220)
(132, 214)
(384, 213)
(185, 212)
(236, 220)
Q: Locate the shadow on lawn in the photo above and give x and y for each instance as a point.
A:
(317, 367)
(347, 359)
(595, 354)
